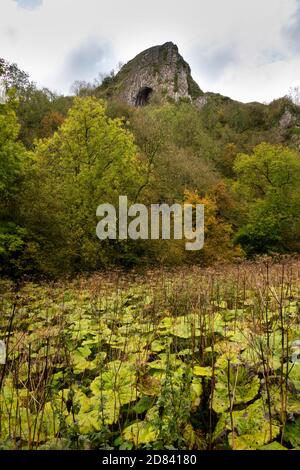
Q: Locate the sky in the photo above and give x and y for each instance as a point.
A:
(248, 50)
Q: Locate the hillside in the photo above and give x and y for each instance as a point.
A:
(151, 133)
(131, 341)
(160, 74)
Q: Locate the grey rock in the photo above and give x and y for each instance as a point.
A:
(159, 71)
(287, 120)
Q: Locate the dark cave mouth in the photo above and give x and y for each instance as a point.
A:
(143, 96)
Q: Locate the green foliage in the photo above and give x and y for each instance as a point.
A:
(186, 359)
(292, 433)
(35, 109)
(13, 163)
(85, 152)
(194, 90)
(105, 363)
(10, 152)
(269, 180)
(235, 385)
(13, 77)
(90, 160)
(33, 106)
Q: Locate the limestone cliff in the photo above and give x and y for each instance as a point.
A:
(159, 71)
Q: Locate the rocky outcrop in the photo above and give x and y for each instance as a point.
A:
(159, 71)
(287, 120)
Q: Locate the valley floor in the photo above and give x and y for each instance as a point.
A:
(183, 359)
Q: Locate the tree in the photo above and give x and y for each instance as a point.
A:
(177, 151)
(269, 183)
(13, 77)
(12, 172)
(39, 111)
(90, 160)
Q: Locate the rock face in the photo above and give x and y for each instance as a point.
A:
(159, 71)
(287, 120)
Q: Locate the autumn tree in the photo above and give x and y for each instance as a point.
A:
(218, 233)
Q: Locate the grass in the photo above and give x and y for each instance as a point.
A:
(184, 359)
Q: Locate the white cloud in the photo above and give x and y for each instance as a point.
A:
(30, 4)
(214, 60)
(238, 48)
(85, 61)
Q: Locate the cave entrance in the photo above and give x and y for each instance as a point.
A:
(143, 96)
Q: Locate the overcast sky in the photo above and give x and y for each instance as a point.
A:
(248, 50)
